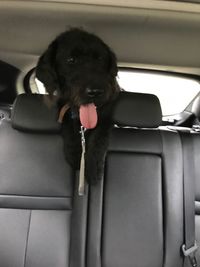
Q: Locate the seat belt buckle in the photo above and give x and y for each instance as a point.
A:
(190, 252)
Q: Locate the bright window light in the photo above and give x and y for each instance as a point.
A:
(40, 86)
(174, 93)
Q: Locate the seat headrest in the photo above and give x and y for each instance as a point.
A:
(137, 110)
(30, 113)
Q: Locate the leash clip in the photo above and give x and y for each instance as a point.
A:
(82, 132)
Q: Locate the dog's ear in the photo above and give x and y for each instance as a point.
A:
(113, 64)
(45, 70)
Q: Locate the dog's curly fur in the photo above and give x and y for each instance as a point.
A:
(73, 63)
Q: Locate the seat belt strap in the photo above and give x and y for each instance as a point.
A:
(189, 247)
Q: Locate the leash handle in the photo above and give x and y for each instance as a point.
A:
(81, 187)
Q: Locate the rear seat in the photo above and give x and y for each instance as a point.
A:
(36, 190)
(136, 212)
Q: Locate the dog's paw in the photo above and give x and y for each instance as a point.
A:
(94, 170)
(91, 174)
(73, 159)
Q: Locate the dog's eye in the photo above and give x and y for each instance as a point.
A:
(71, 60)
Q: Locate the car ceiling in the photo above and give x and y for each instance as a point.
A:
(163, 35)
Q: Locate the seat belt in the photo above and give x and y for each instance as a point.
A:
(189, 247)
(78, 226)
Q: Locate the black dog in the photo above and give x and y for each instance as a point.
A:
(82, 70)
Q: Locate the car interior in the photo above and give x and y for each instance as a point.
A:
(145, 211)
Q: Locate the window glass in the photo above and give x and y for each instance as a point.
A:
(174, 93)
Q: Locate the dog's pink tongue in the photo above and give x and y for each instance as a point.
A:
(88, 116)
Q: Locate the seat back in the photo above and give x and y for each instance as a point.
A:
(136, 212)
(36, 188)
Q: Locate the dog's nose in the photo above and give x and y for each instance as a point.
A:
(94, 92)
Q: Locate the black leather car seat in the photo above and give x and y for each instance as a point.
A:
(36, 189)
(136, 212)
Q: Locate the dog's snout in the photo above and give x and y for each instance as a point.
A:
(94, 92)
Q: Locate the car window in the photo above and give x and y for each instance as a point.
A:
(174, 92)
